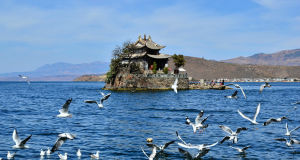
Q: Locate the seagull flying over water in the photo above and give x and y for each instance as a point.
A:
(25, 78)
(190, 157)
(253, 121)
(161, 147)
(241, 150)
(198, 122)
(152, 155)
(238, 86)
(100, 104)
(273, 120)
(290, 142)
(234, 95)
(64, 112)
(264, 86)
(200, 147)
(288, 133)
(233, 135)
(17, 140)
(175, 86)
(61, 140)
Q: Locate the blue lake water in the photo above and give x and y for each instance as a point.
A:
(121, 128)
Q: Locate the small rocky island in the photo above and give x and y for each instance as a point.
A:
(141, 66)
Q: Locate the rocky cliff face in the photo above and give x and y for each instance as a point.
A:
(126, 81)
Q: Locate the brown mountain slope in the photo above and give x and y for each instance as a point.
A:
(200, 68)
(284, 58)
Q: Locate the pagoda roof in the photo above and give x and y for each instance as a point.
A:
(160, 56)
(142, 42)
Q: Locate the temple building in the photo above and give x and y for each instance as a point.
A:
(146, 52)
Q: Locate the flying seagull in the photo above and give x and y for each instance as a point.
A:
(241, 150)
(63, 157)
(273, 120)
(161, 147)
(100, 104)
(288, 133)
(64, 112)
(10, 155)
(234, 95)
(152, 155)
(190, 157)
(25, 78)
(17, 140)
(233, 135)
(95, 156)
(175, 86)
(200, 147)
(61, 140)
(198, 122)
(290, 142)
(264, 86)
(253, 121)
(238, 86)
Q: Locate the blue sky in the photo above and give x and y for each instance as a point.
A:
(35, 32)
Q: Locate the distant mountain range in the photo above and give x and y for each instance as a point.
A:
(283, 58)
(59, 72)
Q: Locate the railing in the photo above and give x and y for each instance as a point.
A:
(158, 75)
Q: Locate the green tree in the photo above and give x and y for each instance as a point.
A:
(119, 53)
(178, 60)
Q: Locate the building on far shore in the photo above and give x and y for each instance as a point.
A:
(146, 52)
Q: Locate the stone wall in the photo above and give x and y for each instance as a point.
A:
(125, 81)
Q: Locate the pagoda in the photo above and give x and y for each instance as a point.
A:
(146, 52)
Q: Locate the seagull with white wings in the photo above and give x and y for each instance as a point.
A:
(273, 120)
(288, 132)
(266, 84)
(17, 140)
(152, 155)
(25, 78)
(64, 112)
(290, 142)
(175, 86)
(100, 103)
(200, 147)
(61, 140)
(233, 135)
(253, 121)
(238, 86)
(198, 122)
(241, 150)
